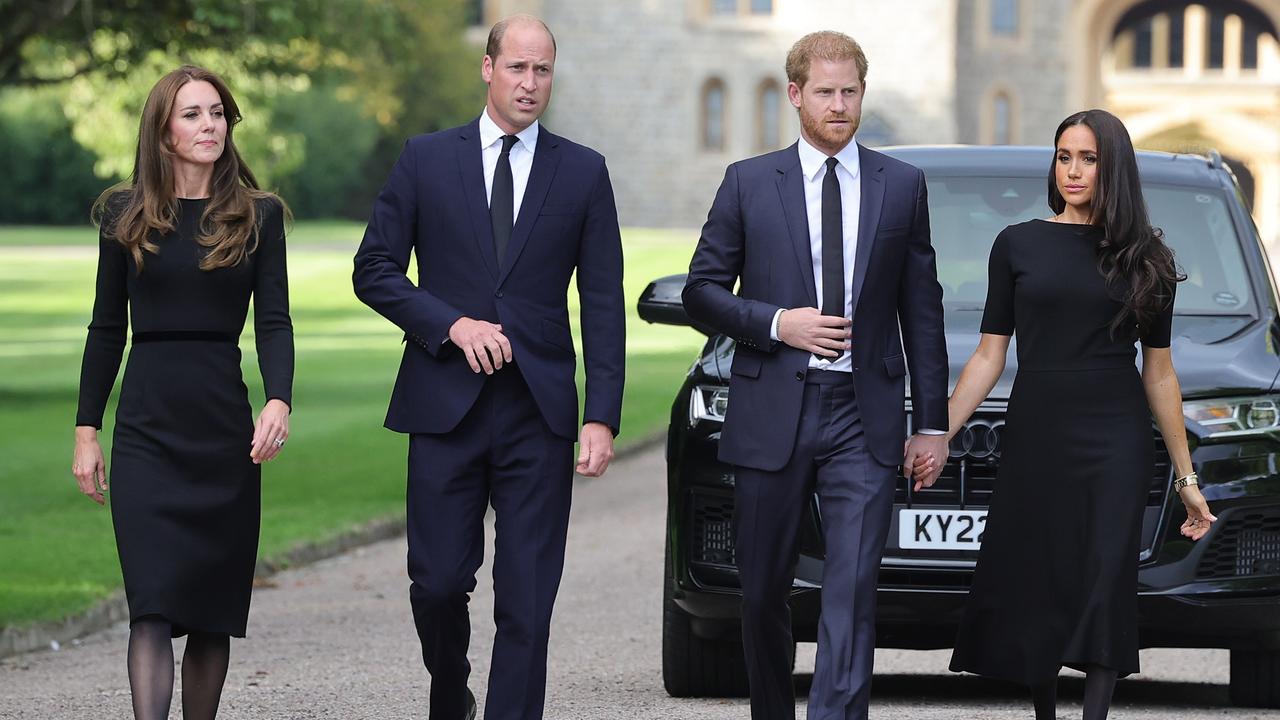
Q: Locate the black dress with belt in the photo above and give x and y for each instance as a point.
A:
(185, 496)
(1057, 576)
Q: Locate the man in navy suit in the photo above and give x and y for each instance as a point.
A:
(816, 395)
(499, 214)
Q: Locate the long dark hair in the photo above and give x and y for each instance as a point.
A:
(1132, 256)
(147, 202)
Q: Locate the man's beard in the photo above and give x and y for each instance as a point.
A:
(832, 136)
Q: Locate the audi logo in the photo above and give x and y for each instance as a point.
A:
(979, 440)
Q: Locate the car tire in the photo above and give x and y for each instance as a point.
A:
(1255, 678)
(694, 666)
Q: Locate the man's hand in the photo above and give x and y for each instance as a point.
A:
(924, 459)
(595, 449)
(807, 329)
(482, 343)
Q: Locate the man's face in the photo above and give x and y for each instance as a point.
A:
(830, 104)
(519, 78)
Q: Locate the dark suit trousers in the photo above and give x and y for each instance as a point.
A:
(501, 453)
(855, 498)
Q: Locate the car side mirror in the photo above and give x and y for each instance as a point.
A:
(660, 303)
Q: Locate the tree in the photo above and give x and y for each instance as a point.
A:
(382, 69)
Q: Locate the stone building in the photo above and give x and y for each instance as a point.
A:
(671, 91)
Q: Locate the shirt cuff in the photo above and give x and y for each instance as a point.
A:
(931, 431)
(773, 327)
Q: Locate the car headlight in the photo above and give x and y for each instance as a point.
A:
(709, 402)
(1235, 417)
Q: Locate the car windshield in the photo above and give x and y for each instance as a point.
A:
(966, 214)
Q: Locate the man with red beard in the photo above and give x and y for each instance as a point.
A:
(830, 244)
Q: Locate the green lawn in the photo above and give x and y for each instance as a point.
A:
(342, 468)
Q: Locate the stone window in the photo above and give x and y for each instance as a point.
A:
(1002, 119)
(769, 115)
(731, 8)
(713, 115)
(875, 131)
(1004, 17)
(724, 7)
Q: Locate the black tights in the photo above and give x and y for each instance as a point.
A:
(204, 668)
(1099, 683)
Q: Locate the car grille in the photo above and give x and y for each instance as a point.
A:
(970, 472)
(1247, 546)
(966, 481)
(712, 529)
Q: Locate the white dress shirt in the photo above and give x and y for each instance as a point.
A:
(814, 169)
(521, 157)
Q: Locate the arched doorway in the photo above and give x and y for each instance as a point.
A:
(1190, 75)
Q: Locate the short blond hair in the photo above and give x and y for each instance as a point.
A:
(824, 45)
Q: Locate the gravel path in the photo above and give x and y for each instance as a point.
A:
(335, 640)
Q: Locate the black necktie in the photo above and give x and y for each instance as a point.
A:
(832, 245)
(502, 198)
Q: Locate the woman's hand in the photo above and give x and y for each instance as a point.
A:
(1198, 516)
(88, 466)
(270, 431)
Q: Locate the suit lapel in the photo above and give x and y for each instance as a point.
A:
(471, 168)
(545, 161)
(872, 176)
(791, 190)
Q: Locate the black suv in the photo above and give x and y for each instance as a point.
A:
(1223, 592)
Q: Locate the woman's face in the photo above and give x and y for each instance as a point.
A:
(1076, 168)
(197, 129)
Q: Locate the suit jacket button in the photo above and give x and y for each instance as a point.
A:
(800, 375)
(498, 294)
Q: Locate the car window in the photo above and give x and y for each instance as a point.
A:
(966, 214)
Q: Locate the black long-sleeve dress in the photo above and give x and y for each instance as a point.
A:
(185, 496)
(1057, 577)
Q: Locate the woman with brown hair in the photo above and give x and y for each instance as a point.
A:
(1057, 576)
(183, 246)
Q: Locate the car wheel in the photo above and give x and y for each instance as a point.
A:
(694, 666)
(1255, 678)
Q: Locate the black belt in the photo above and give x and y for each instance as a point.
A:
(828, 377)
(183, 336)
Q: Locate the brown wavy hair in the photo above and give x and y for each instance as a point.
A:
(146, 205)
(1132, 256)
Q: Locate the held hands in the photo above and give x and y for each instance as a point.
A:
(595, 449)
(1198, 516)
(482, 343)
(87, 464)
(807, 329)
(921, 459)
(270, 431)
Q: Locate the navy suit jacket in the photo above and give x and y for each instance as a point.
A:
(435, 206)
(758, 233)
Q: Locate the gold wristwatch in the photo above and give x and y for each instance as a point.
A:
(1189, 479)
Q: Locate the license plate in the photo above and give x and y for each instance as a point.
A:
(935, 529)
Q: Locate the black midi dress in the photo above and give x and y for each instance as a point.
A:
(1057, 576)
(185, 495)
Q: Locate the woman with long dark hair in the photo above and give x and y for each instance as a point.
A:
(183, 247)
(1057, 576)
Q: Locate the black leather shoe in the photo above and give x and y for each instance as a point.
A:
(470, 712)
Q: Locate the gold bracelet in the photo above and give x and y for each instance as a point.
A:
(1189, 479)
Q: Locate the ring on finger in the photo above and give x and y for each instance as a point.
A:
(279, 442)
